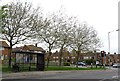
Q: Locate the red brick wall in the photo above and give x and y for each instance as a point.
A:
(5, 52)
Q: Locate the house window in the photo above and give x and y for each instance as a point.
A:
(6, 56)
(73, 57)
(1, 57)
(117, 59)
(85, 57)
(90, 57)
(1, 48)
(53, 57)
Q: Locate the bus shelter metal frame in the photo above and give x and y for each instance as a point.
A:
(40, 63)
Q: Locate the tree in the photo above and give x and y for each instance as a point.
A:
(2, 15)
(18, 23)
(64, 35)
(84, 38)
(48, 33)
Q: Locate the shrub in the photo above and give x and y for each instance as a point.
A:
(66, 64)
(89, 61)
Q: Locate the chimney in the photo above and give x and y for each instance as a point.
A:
(36, 44)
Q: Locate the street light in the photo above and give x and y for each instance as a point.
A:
(109, 39)
(109, 42)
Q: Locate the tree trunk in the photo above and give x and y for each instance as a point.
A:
(48, 58)
(10, 57)
(77, 59)
(60, 56)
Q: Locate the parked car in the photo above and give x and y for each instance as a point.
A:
(82, 63)
(116, 65)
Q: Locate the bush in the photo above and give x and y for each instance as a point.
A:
(66, 64)
(89, 61)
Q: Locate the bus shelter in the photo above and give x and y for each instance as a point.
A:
(27, 60)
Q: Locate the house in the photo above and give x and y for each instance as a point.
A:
(65, 56)
(113, 58)
(4, 52)
(96, 56)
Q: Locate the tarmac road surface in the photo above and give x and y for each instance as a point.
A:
(88, 75)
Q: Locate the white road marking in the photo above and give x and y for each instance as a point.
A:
(115, 77)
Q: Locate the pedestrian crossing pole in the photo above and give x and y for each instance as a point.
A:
(103, 55)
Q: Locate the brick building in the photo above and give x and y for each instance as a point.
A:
(108, 59)
(4, 52)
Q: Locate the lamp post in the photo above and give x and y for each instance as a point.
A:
(109, 42)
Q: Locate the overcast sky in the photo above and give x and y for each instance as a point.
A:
(101, 14)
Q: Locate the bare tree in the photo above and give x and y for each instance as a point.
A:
(48, 33)
(64, 33)
(18, 23)
(83, 39)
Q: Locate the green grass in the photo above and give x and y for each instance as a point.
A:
(55, 68)
(5, 69)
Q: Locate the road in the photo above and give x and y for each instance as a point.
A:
(82, 75)
(89, 74)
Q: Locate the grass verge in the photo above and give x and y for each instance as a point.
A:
(5, 69)
(55, 68)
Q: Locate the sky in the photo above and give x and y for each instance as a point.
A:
(101, 14)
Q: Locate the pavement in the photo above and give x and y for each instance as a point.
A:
(40, 73)
(55, 74)
(33, 73)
